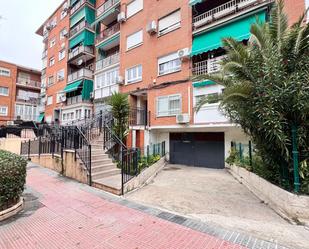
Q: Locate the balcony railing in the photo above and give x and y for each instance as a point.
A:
(78, 5)
(80, 49)
(44, 54)
(27, 82)
(223, 10)
(74, 100)
(108, 32)
(108, 61)
(106, 91)
(79, 27)
(80, 74)
(138, 116)
(106, 6)
(24, 99)
(207, 66)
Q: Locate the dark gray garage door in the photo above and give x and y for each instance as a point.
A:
(198, 149)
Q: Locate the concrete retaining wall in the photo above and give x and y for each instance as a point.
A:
(292, 206)
(70, 168)
(11, 144)
(145, 176)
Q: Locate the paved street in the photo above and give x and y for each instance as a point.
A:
(61, 213)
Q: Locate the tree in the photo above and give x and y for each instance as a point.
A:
(267, 89)
(120, 111)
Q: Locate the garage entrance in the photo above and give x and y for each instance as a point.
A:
(198, 149)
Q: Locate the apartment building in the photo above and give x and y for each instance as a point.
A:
(150, 50)
(19, 93)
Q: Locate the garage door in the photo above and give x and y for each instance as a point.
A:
(198, 149)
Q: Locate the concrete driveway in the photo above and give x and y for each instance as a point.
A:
(215, 196)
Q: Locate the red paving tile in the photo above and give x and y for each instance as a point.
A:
(73, 218)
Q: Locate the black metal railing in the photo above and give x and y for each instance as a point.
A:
(138, 117)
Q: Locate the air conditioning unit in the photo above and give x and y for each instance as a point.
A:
(121, 17)
(62, 98)
(183, 118)
(151, 27)
(184, 53)
(10, 123)
(92, 95)
(120, 80)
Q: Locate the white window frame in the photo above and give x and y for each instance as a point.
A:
(48, 80)
(2, 92)
(49, 100)
(5, 108)
(139, 77)
(61, 35)
(5, 72)
(169, 22)
(131, 44)
(169, 59)
(61, 54)
(52, 42)
(134, 7)
(51, 61)
(63, 14)
(59, 78)
(169, 111)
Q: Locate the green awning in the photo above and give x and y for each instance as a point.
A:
(41, 117)
(73, 2)
(86, 13)
(204, 83)
(193, 2)
(86, 37)
(87, 89)
(73, 86)
(238, 29)
(109, 41)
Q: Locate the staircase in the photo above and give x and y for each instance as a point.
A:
(105, 174)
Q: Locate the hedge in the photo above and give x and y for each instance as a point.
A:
(12, 178)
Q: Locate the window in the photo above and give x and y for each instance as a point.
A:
(52, 42)
(51, 61)
(107, 78)
(168, 105)
(3, 110)
(61, 54)
(134, 74)
(4, 91)
(63, 33)
(212, 98)
(50, 80)
(63, 14)
(5, 72)
(170, 22)
(135, 39)
(134, 7)
(169, 64)
(49, 100)
(60, 75)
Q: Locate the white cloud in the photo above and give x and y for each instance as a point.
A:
(20, 19)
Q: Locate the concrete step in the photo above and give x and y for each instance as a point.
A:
(99, 156)
(96, 146)
(101, 162)
(107, 173)
(102, 168)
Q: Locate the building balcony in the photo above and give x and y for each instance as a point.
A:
(80, 74)
(106, 91)
(138, 117)
(79, 27)
(28, 83)
(76, 100)
(41, 108)
(106, 6)
(25, 99)
(86, 51)
(44, 54)
(227, 9)
(207, 66)
(108, 33)
(80, 3)
(108, 61)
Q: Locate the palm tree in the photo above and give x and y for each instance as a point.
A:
(120, 111)
(266, 86)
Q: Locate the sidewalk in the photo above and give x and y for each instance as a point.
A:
(61, 213)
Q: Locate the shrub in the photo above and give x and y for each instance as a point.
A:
(12, 178)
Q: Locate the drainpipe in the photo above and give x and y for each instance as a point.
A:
(295, 158)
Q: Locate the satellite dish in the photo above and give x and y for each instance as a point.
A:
(80, 62)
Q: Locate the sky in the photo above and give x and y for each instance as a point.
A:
(20, 19)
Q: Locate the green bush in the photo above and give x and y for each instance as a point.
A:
(12, 178)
